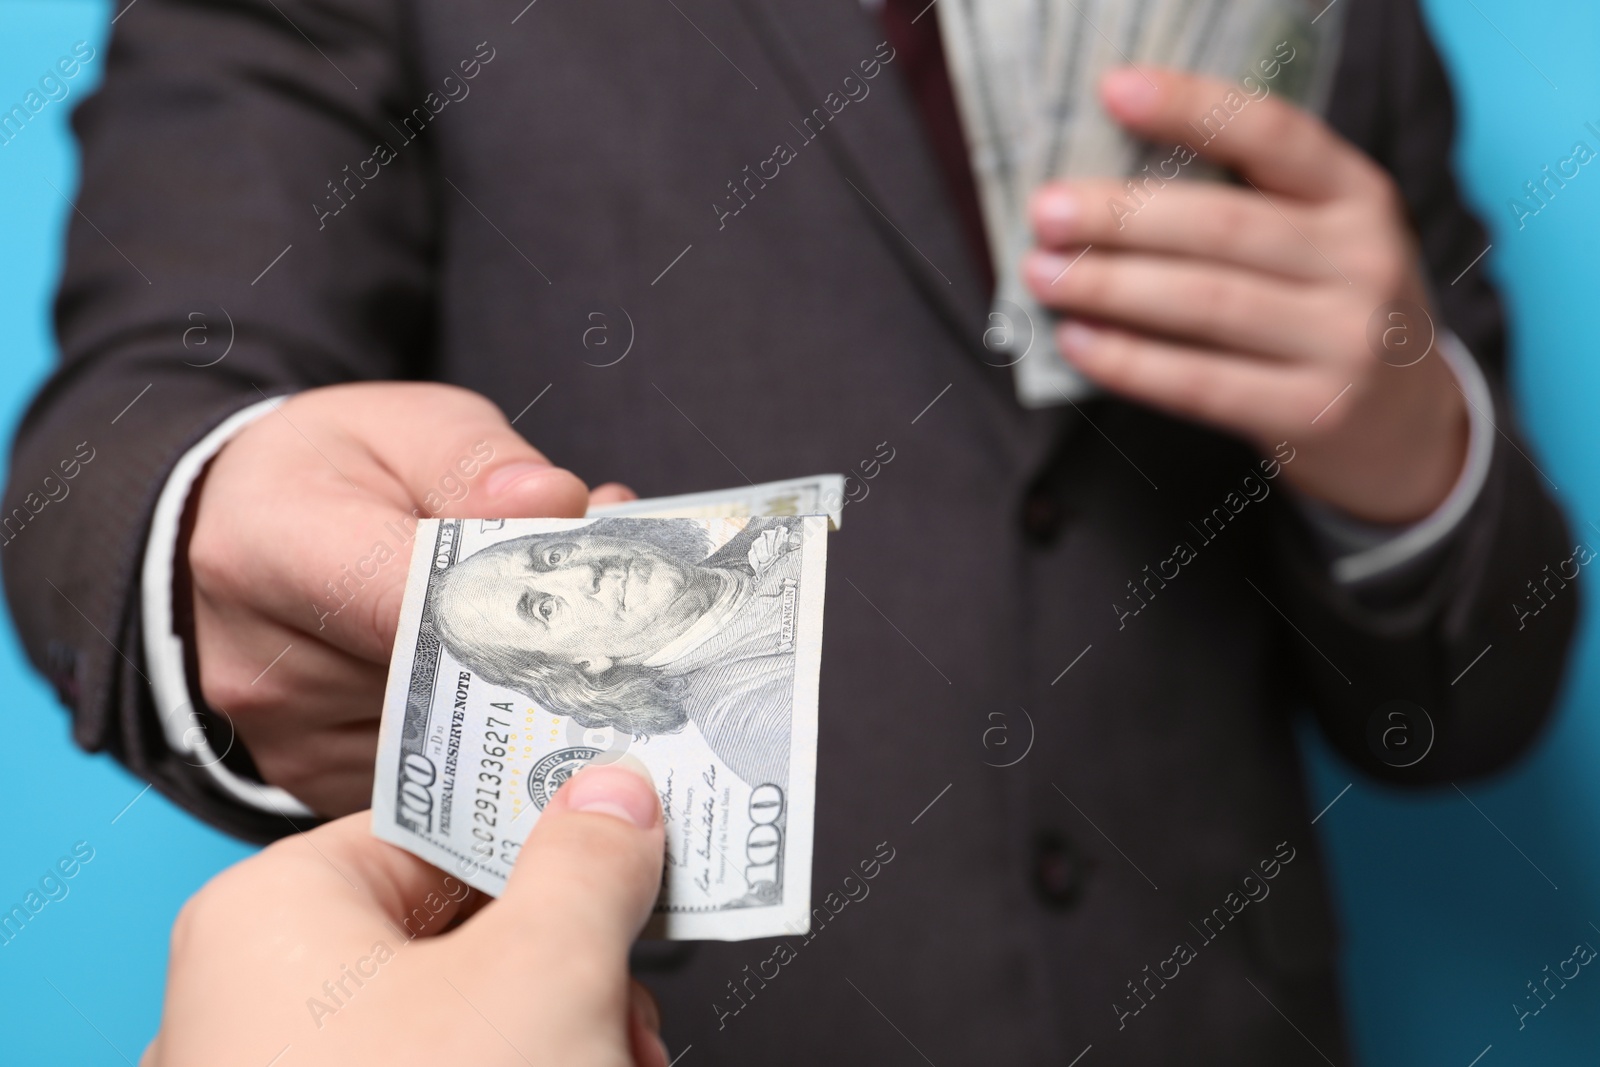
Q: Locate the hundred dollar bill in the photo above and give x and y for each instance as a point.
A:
(1026, 76)
(528, 648)
(820, 494)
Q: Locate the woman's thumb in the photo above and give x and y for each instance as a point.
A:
(589, 872)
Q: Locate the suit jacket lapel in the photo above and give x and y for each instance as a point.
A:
(876, 143)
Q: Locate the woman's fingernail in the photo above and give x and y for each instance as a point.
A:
(622, 789)
(1076, 338)
(1130, 91)
(512, 473)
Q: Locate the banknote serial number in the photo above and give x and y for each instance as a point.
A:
(486, 801)
(416, 807)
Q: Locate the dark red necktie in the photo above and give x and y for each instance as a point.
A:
(913, 29)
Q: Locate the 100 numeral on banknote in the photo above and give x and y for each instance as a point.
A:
(530, 647)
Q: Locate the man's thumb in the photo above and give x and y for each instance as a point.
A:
(456, 456)
(589, 872)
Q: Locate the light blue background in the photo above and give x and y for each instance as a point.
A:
(1446, 915)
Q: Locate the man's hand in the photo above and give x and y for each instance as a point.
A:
(301, 543)
(332, 944)
(1247, 307)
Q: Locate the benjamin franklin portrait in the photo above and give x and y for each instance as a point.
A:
(642, 625)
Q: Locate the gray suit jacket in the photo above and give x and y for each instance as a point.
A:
(465, 231)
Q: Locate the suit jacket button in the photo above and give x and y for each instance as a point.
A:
(1041, 518)
(1059, 871)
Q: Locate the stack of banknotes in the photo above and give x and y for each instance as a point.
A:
(1026, 73)
(686, 631)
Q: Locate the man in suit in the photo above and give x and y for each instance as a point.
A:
(404, 217)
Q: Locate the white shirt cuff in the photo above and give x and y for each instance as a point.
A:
(1369, 550)
(163, 649)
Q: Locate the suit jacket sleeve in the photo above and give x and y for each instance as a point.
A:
(1418, 635)
(199, 278)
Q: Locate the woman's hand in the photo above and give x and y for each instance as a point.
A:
(332, 947)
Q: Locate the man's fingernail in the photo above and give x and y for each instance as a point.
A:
(1076, 338)
(1044, 269)
(622, 789)
(512, 473)
(1059, 210)
(1130, 91)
